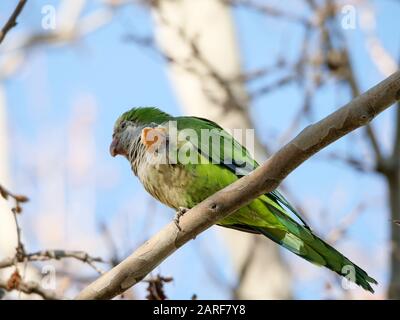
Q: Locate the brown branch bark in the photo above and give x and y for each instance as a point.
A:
(12, 21)
(266, 178)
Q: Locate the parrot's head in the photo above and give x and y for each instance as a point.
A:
(129, 126)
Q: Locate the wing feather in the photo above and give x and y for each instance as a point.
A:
(222, 149)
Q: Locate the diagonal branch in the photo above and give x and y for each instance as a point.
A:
(12, 21)
(266, 178)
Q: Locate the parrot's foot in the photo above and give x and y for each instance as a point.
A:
(181, 211)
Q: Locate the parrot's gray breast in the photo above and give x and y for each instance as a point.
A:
(169, 183)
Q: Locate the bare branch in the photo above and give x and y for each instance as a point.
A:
(30, 287)
(268, 10)
(353, 162)
(338, 233)
(61, 254)
(155, 288)
(15, 282)
(273, 86)
(47, 255)
(264, 179)
(16, 210)
(12, 21)
(8, 194)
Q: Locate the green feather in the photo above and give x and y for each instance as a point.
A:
(237, 159)
(144, 115)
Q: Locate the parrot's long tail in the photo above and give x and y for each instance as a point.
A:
(305, 244)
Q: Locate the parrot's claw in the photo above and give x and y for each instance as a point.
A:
(179, 213)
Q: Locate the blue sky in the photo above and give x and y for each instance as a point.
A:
(117, 74)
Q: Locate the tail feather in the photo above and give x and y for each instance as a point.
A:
(305, 244)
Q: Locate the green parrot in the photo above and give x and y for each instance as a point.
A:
(144, 136)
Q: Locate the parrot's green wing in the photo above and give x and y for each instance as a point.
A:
(221, 148)
(218, 146)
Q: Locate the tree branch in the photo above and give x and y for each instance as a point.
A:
(266, 178)
(15, 282)
(12, 21)
(47, 255)
(268, 10)
(30, 287)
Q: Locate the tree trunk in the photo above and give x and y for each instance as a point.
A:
(199, 39)
(394, 201)
(8, 239)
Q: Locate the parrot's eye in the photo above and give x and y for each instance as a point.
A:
(123, 125)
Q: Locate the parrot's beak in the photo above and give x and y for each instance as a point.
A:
(114, 148)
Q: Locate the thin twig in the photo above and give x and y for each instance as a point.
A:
(15, 282)
(155, 288)
(47, 255)
(16, 210)
(268, 10)
(82, 256)
(336, 234)
(12, 21)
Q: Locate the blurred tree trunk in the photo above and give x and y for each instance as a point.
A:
(393, 178)
(388, 166)
(394, 195)
(198, 39)
(8, 239)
